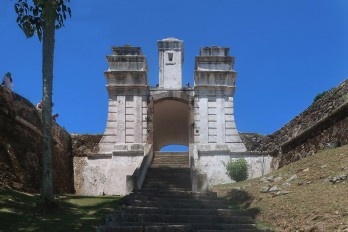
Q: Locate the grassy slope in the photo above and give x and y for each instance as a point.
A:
(313, 203)
(17, 213)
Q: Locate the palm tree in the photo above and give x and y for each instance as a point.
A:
(43, 17)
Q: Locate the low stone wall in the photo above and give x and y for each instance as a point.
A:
(208, 167)
(105, 174)
(320, 126)
(21, 147)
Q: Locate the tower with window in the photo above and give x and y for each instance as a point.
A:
(171, 59)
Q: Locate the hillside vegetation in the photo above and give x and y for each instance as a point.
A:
(308, 195)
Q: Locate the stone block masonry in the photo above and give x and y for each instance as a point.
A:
(139, 116)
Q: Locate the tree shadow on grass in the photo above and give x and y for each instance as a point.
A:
(75, 213)
(241, 200)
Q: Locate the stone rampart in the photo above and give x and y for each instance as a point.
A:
(21, 147)
(322, 125)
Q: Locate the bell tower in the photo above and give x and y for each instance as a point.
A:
(171, 58)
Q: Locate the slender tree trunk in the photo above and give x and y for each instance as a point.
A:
(47, 73)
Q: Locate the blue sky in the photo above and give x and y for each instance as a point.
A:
(287, 51)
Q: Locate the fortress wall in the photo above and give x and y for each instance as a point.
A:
(322, 125)
(21, 147)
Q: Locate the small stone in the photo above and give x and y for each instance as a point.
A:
(280, 193)
(265, 189)
(274, 188)
(277, 179)
(270, 178)
(305, 170)
(286, 184)
(294, 177)
(323, 166)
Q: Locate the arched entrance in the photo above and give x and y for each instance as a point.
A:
(171, 119)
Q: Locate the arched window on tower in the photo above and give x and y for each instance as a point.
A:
(170, 56)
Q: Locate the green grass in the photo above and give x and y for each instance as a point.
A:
(76, 213)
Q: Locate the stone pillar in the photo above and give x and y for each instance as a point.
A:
(214, 89)
(171, 58)
(216, 138)
(128, 92)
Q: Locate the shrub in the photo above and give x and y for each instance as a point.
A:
(237, 170)
(319, 95)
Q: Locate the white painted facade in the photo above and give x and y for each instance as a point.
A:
(171, 59)
(143, 119)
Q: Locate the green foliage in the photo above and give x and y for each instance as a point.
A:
(237, 170)
(30, 17)
(319, 95)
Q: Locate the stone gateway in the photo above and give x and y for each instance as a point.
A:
(143, 119)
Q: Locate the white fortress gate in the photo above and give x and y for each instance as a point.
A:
(143, 119)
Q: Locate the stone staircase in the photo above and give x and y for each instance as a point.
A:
(166, 204)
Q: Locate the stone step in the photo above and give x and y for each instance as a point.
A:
(175, 193)
(176, 218)
(137, 228)
(239, 230)
(179, 211)
(177, 204)
(169, 178)
(169, 166)
(172, 186)
(180, 200)
(168, 188)
(169, 169)
(152, 172)
(195, 196)
(149, 228)
(182, 227)
(167, 181)
(171, 159)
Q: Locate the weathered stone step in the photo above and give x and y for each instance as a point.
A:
(239, 230)
(180, 200)
(169, 169)
(175, 193)
(172, 158)
(168, 186)
(169, 166)
(177, 218)
(195, 196)
(137, 228)
(153, 174)
(149, 228)
(174, 227)
(176, 204)
(166, 181)
(178, 178)
(157, 210)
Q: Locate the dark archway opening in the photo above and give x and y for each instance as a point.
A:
(171, 123)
